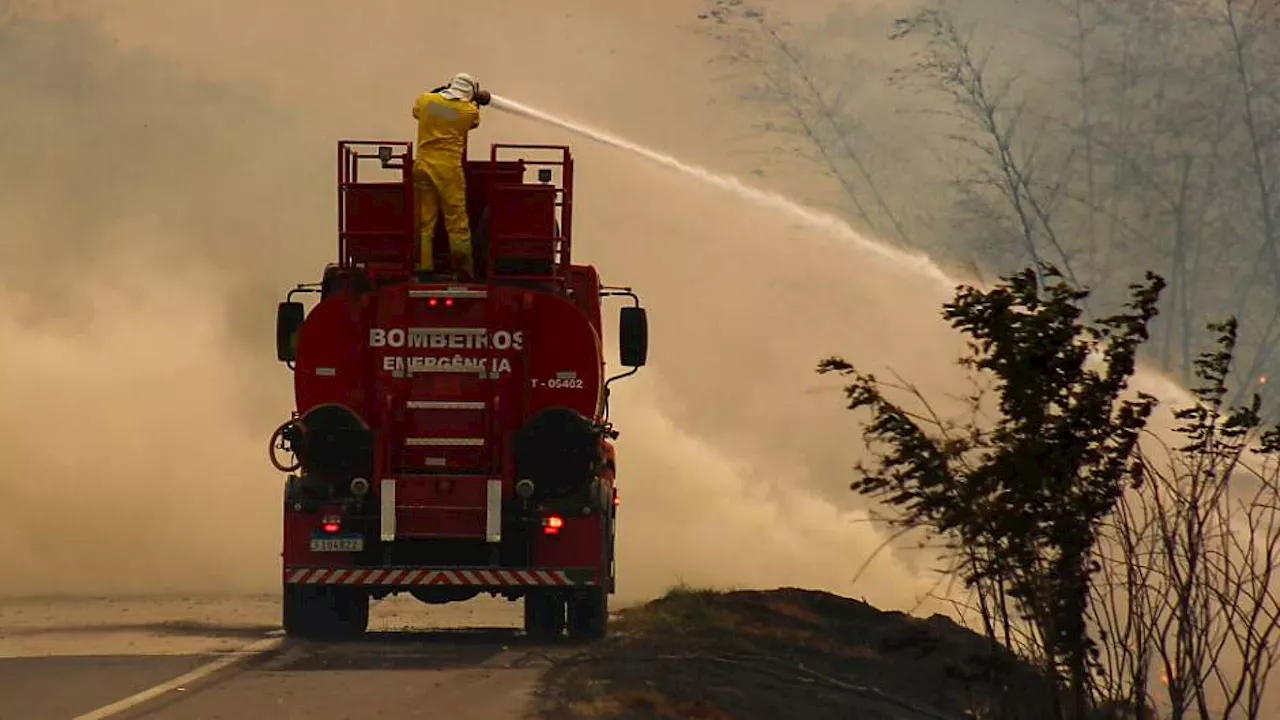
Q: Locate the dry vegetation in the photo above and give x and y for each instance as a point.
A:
(784, 653)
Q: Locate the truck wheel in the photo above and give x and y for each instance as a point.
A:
(353, 612)
(544, 615)
(306, 614)
(324, 613)
(589, 614)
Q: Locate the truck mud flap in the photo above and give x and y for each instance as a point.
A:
(409, 577)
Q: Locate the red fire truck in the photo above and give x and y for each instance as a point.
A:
(452, 438)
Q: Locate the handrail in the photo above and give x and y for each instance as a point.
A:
(564, 201)
(349, 156)
(398, 155)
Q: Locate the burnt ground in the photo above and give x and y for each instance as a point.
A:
(785, 653)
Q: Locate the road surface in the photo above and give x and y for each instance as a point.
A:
(69, 659)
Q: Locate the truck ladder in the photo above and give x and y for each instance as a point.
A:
(460, 426)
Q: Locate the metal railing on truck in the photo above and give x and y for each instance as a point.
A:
(382, 213)
(555, 241)
(529, 222)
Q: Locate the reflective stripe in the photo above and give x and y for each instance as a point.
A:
(388, 510)
(493, 514)
(420, 576)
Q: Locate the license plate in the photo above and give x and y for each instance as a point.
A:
(341, 543)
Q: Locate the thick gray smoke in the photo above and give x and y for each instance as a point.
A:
(150, 220)
(168, 173)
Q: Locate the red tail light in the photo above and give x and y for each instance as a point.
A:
(551, 524)
(332, 523)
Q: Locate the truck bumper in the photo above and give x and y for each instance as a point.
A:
(411, 577)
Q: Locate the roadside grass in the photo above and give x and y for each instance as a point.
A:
(682, 609)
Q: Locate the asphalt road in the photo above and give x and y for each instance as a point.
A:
(86, 659)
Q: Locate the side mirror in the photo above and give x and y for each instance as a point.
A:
(633, 337)
(289, 316)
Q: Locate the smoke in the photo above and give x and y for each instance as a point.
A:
(156, 228)
(145, 242)
(122, 474)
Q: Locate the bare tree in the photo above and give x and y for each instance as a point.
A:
(1251, 28)
(1149, 141)
(779, 75)
(994, 119)
(1191, 560)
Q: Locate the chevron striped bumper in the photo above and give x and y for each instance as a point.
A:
(411, 577)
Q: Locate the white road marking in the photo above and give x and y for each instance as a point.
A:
(271, 642)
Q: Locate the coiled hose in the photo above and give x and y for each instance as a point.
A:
(277, 443)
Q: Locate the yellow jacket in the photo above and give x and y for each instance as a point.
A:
(443, 125)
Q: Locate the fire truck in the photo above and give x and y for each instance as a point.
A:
(452, 438)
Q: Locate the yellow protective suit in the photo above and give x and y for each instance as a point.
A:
(438, 179)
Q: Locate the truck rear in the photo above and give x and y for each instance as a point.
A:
(452, 438)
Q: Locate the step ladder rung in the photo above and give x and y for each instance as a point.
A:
(449, 292)
(444, 442)
(445, 405)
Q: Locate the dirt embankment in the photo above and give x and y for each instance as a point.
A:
(786, 653)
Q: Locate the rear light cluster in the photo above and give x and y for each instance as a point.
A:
(332, 524)
(553, 524)
(433, 302)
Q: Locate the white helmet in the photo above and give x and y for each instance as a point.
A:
(461, 87)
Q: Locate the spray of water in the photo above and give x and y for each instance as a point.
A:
(1146, 379)
(825, 222)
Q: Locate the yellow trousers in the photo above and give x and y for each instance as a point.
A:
(441, 189)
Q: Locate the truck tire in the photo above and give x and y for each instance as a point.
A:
(324, 613)
(589, 614)
(544, 615)
(588, 610)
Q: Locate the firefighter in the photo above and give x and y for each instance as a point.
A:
(445, 117)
